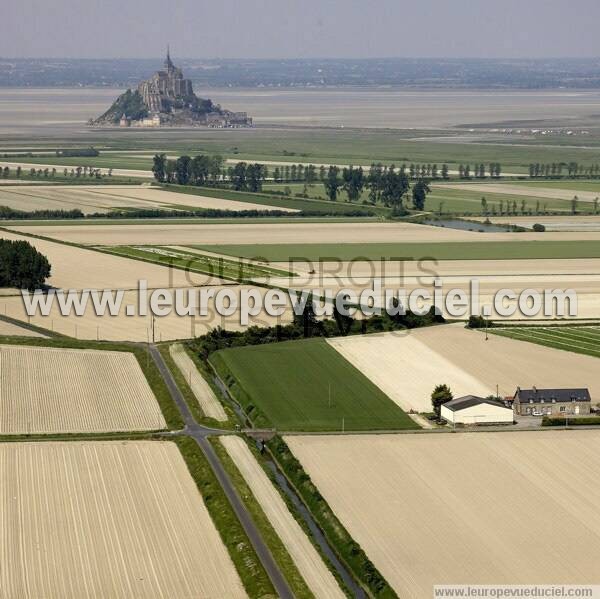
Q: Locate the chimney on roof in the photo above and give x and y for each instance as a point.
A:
(534, 389)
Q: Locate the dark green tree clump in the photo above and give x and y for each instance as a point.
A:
(129, 104)
(441, 395)
(22, 266)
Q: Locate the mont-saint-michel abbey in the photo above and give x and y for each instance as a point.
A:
(168, 99)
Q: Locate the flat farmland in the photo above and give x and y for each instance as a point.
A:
(8, 328)
(538, 191)
(306, 386)
(79, 268)
(136, 327)
(47, 390)
(107, 519)
(208, 402)
(525, 246)
(552, 223)
(460, 509)
(306, 558)
(406, 366)
(581, 340)
(246, 233)
(106, 198)
(264, 239)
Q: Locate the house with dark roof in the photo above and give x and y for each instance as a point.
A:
(476, 410)
(552, 402)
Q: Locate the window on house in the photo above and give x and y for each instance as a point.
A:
(563, 409)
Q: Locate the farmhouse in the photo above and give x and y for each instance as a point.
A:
(476, 410)
(545, 402)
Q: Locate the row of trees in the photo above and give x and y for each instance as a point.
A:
(80, 171)
(479, 171)
(22, 266)
(513, 208)
(386, 185)
(558, 170)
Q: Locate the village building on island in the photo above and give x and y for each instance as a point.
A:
(167, 98)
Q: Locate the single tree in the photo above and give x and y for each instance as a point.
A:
(441, 395)
(419, 194)
(332, 183)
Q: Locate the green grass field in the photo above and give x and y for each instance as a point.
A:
(305, 385)
(327, 145)
(581, 340)
(473, 250)
(458, 201)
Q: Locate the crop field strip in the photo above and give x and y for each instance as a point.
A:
(217, 267)
(107, 519)
(473, 250)
(46, 390)
(305, 386)
(306, 558)
(103, 198)
(208, 402)
(442, 509)
(138, 327)
(408, 365)
(582, 340)
(104, 271)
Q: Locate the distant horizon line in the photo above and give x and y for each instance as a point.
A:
(319, 58)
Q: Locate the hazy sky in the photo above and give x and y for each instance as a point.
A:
(290, 28)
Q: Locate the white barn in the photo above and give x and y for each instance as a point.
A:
(476, 410)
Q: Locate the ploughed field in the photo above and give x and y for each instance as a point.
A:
(486, 508)
(305, 386)
(47, 390)
(107, 519)
(252, 239)
(581, 340)
(92, 199)
(407, 365)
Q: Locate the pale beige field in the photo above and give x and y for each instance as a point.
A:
(8, 328)
(104, 198)
(136, 327)
(407, 365)
(306, 558)
(357, 271)
(207, 401)
(78, 268)
(557, 193)
(486, 508)
(107, 519)
(288, 233)
(47, 390)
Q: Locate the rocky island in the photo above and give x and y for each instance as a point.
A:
(168, 99)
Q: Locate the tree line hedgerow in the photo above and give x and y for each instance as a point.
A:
(387, 185)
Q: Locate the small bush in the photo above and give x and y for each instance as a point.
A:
(539, 228)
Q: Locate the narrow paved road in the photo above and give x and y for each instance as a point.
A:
(200, 433)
